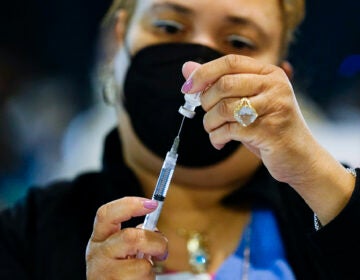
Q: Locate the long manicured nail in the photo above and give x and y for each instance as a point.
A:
(187, 86)
(150, 204)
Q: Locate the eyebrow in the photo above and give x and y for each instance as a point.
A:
(172, 6)
(236, 20)
(243, 21)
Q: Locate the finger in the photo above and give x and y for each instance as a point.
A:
(228, 86)
(142, 268)
(189, 67)
(121, 269)
(233, 131)
(163, 256)
(110, 216)
(130, 241)
(210, 72)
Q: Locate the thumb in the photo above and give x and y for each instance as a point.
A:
(189, 67)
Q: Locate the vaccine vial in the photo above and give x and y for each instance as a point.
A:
(191, 102)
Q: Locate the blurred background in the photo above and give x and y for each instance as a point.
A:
(52, 121)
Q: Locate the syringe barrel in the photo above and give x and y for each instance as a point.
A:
(163, 182)
(170, 160)
(161, 189)
(150, 223)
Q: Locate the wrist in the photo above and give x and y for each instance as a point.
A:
(317, 223)
(328, 190)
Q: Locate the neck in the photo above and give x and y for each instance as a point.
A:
(188, 204)
(184, 195)
(188, 193)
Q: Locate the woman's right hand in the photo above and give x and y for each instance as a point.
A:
(111, 251)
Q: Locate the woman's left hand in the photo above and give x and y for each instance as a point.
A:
(279, 135)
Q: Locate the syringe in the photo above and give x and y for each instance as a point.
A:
(187, 110)
(162, 185)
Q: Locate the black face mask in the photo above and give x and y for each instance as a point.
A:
(153, 97)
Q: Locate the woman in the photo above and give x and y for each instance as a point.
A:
(250, 175)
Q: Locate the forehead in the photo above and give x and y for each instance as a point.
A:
(265, 13)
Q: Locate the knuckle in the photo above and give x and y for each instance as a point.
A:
(206, 123)
(90, 251)
(126, 201)
(164, 244)
(107, 250)
(232, 61)
(96, 267)
(146, 269)
(281, 118)
(131, 235)
(212, 138)
(231, 130)
(144, 265)
(285, 86)
(223, 108)
(225, 84)
(199, 74)
(281, 72)
(283, 107)
(101, 213)
(268, 69)
(281, 79)
(142, 268)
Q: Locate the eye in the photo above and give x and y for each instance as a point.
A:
(240, 42)
(168, 26)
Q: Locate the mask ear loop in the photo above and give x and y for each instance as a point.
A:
(110, 88)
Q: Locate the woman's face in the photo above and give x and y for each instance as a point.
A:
(246, 27)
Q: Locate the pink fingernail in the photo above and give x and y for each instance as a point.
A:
(187, 86)
(150, 204)
(164, 257)
(218, 147)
